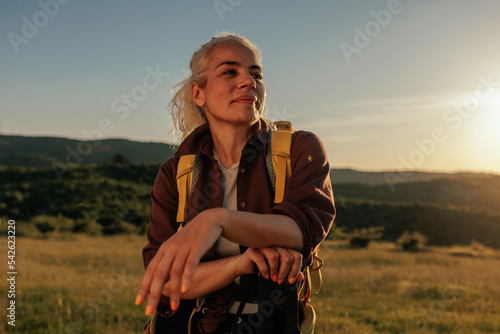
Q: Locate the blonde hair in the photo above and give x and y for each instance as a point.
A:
(186, 114)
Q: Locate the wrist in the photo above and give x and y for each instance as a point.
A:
(221, 219)
(241, 266)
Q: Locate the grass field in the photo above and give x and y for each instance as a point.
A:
(79, 284)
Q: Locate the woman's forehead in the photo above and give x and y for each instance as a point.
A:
(232, 51)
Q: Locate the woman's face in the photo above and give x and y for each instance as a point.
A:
(234, 91)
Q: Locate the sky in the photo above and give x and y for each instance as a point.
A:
(386, 84)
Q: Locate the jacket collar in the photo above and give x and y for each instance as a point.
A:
(200, 140)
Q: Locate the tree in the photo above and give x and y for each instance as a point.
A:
(412, 241)
(121, 159)
(361, 238)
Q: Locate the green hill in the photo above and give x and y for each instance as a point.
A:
(471, 191)
(114, 198)
(390, 178)
(44, 151)
(96, 196)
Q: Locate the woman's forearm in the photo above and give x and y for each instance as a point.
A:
(261, 230)
(209, 277)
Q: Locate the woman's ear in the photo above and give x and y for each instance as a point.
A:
(198, 95)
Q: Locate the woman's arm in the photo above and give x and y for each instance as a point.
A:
(273, 262)
(253, 229)
(221, 273)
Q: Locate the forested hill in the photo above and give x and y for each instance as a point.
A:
(97, 196)
(473, 192)
(43, 151)
(390, 178)
(23, 151)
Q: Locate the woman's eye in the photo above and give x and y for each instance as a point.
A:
(257, 76)
(229, 72)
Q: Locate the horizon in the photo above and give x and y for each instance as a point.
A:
(331, 167)
(385, 84)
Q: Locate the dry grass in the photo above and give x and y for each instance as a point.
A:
(78, 284)
(384, 290)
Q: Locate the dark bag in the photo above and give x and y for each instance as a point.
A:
(176, 323)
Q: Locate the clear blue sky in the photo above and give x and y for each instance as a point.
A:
(387, 84)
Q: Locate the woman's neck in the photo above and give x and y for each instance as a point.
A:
(229, 141)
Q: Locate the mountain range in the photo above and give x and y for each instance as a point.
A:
(25, 151)
(81, 186)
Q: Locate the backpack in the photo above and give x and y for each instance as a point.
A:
(278, 164)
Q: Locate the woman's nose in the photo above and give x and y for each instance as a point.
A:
(248, 80)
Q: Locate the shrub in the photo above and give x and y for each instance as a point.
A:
(412, 241)
(120, 227)
(88, 226)
(337, 233)
(121, 159)
(361, 238)
(46, 224)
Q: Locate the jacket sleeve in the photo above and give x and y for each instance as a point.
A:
(308, 195)
(162, 217)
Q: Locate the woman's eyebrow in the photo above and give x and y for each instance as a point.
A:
(231, 63)
(256, 67)
(235, 63)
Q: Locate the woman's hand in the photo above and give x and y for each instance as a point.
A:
(273, 262)
(177, 259)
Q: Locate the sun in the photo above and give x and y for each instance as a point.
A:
(484, 133)
(493, 101)
(491, 112)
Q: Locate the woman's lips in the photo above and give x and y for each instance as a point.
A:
(246, 99)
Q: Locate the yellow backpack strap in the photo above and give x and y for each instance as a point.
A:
(184, 180)
(280, 149)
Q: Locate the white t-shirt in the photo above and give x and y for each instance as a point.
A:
(224, 247)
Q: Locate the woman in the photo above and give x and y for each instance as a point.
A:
(233, 224)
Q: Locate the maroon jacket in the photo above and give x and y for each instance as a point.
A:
(308, 195)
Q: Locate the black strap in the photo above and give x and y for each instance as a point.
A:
(238, 315)
(241, 307)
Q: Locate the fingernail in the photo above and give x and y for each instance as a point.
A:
(184, 288)
(173, 305)
(275, 278)
(149, 310)
(138, 300)
(280, 281)
(291, 280)
(267, 276)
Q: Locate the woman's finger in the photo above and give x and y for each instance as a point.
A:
(295, 273)
(147, 279)
(272, 258)
(189, 271)
(154, 294)
(285, 263)
(258, 258)
(176, 273)
(157, 273)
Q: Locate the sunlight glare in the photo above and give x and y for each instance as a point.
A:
(486, 132)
